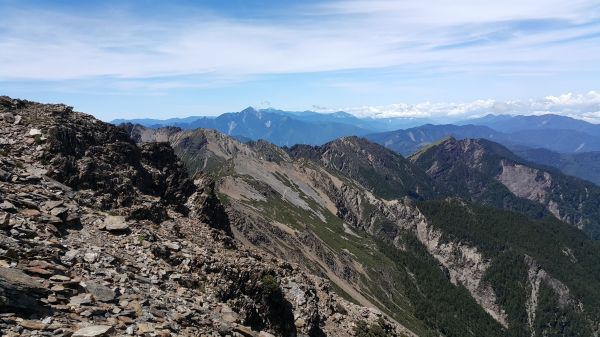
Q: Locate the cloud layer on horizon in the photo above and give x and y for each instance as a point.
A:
(581, 106)
(146, 58)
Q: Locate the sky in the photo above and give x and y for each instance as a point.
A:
(426, 58)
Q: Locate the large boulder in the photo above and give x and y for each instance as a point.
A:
(20, 292)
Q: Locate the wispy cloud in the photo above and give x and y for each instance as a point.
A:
(336, 35)
(582, 106)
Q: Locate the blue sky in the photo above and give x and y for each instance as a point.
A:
(126, 59)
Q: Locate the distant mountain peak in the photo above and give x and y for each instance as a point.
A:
(248, 110)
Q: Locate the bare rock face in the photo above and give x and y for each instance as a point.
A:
(20, 292)
(205, 205)
(101, 160)
(95, 240)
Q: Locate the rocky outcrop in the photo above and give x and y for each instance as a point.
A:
(536, 185)
(207, 207)
(99, 159)
(536, 275)
(465, 265)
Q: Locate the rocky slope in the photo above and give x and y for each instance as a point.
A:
(368, 220)
(100, 236)
(488, 173)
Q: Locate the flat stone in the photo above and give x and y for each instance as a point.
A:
(51, 204)
(101, 293)
(57, 211)
(172, 246)
(60, 278)
(35, 132)
(57, 288)
(19, 278)
(33, 325)
(80, 299)
(30, 212)
(228, 314)
(244, 331)
(143, 328)
(265, 334)
(94, 330)
(114, 223)
(20, 291)
(39, 271)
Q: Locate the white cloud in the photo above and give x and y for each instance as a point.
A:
(338, 35)
(582, 106)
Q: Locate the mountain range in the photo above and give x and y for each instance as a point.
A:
(283, 127)
(512, 123)
(446, 240)
(562, 142)
(141, 230)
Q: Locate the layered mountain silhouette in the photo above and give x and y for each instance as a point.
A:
(282, 127)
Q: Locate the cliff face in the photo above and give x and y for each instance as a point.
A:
(100, 236)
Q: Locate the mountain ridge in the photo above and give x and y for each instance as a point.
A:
(267, 188)
(100, 236)
(487, 172)
(409, 141)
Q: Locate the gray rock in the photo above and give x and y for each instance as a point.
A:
(19, 291)
(4, 219)
(7, 206)
(4, 175)
(94, 330)
(70, 255)
(52, 204)
(80, 299)
(60, 278)
(265, 334)
(8, 117)
(35, 132)
(113, 223)
(101, 293)
(90, 257)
